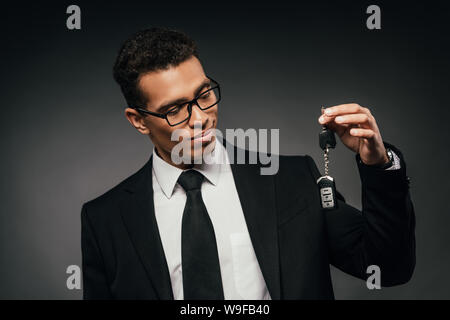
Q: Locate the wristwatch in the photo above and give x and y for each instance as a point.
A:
(386, 165)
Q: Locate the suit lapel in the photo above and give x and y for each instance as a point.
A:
(256, 194)
(138, 214)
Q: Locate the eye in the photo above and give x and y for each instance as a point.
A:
(205, 94)
(173, 110)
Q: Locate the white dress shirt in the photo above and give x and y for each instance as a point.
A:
(239, 267)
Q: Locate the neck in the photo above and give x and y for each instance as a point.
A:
(166, 157)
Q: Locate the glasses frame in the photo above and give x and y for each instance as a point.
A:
(189, 106)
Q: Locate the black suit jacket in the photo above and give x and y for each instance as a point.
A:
(295, 241)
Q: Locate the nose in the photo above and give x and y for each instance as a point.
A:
(197, 115)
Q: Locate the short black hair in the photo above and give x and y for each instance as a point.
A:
(157, 48)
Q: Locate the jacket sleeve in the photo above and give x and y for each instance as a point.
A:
(95, 284)
(382, 234)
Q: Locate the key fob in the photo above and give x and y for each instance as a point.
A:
(327, 139)
(327, 190)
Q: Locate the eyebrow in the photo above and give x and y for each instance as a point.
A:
(205, 83)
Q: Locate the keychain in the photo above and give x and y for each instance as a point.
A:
(326, 183)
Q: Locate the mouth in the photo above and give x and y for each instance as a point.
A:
(204, 135)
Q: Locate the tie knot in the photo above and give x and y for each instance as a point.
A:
(190, 180)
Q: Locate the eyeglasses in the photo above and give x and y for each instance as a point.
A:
(180, 113)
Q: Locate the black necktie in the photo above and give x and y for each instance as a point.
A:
(199, 257)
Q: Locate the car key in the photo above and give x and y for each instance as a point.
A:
(326, 183)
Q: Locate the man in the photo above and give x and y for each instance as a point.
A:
(222, 230)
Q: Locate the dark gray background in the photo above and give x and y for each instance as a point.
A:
(65, 139)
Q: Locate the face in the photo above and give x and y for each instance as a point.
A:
(162, 87)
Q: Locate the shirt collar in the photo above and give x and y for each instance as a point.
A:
(167, 174)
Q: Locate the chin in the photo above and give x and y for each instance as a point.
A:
(206, 147)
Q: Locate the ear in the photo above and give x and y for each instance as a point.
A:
(136, 120)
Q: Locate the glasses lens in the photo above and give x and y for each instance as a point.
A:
(178, 114)
(208, 98)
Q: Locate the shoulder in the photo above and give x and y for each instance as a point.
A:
(110, 199)
(294, 167)
(286, 167)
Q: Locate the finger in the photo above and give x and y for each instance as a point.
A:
(328, 120)
(324, 119)
(338, 128)
(362, 133)
(346, 108)
(322, 110)
(355, 118)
